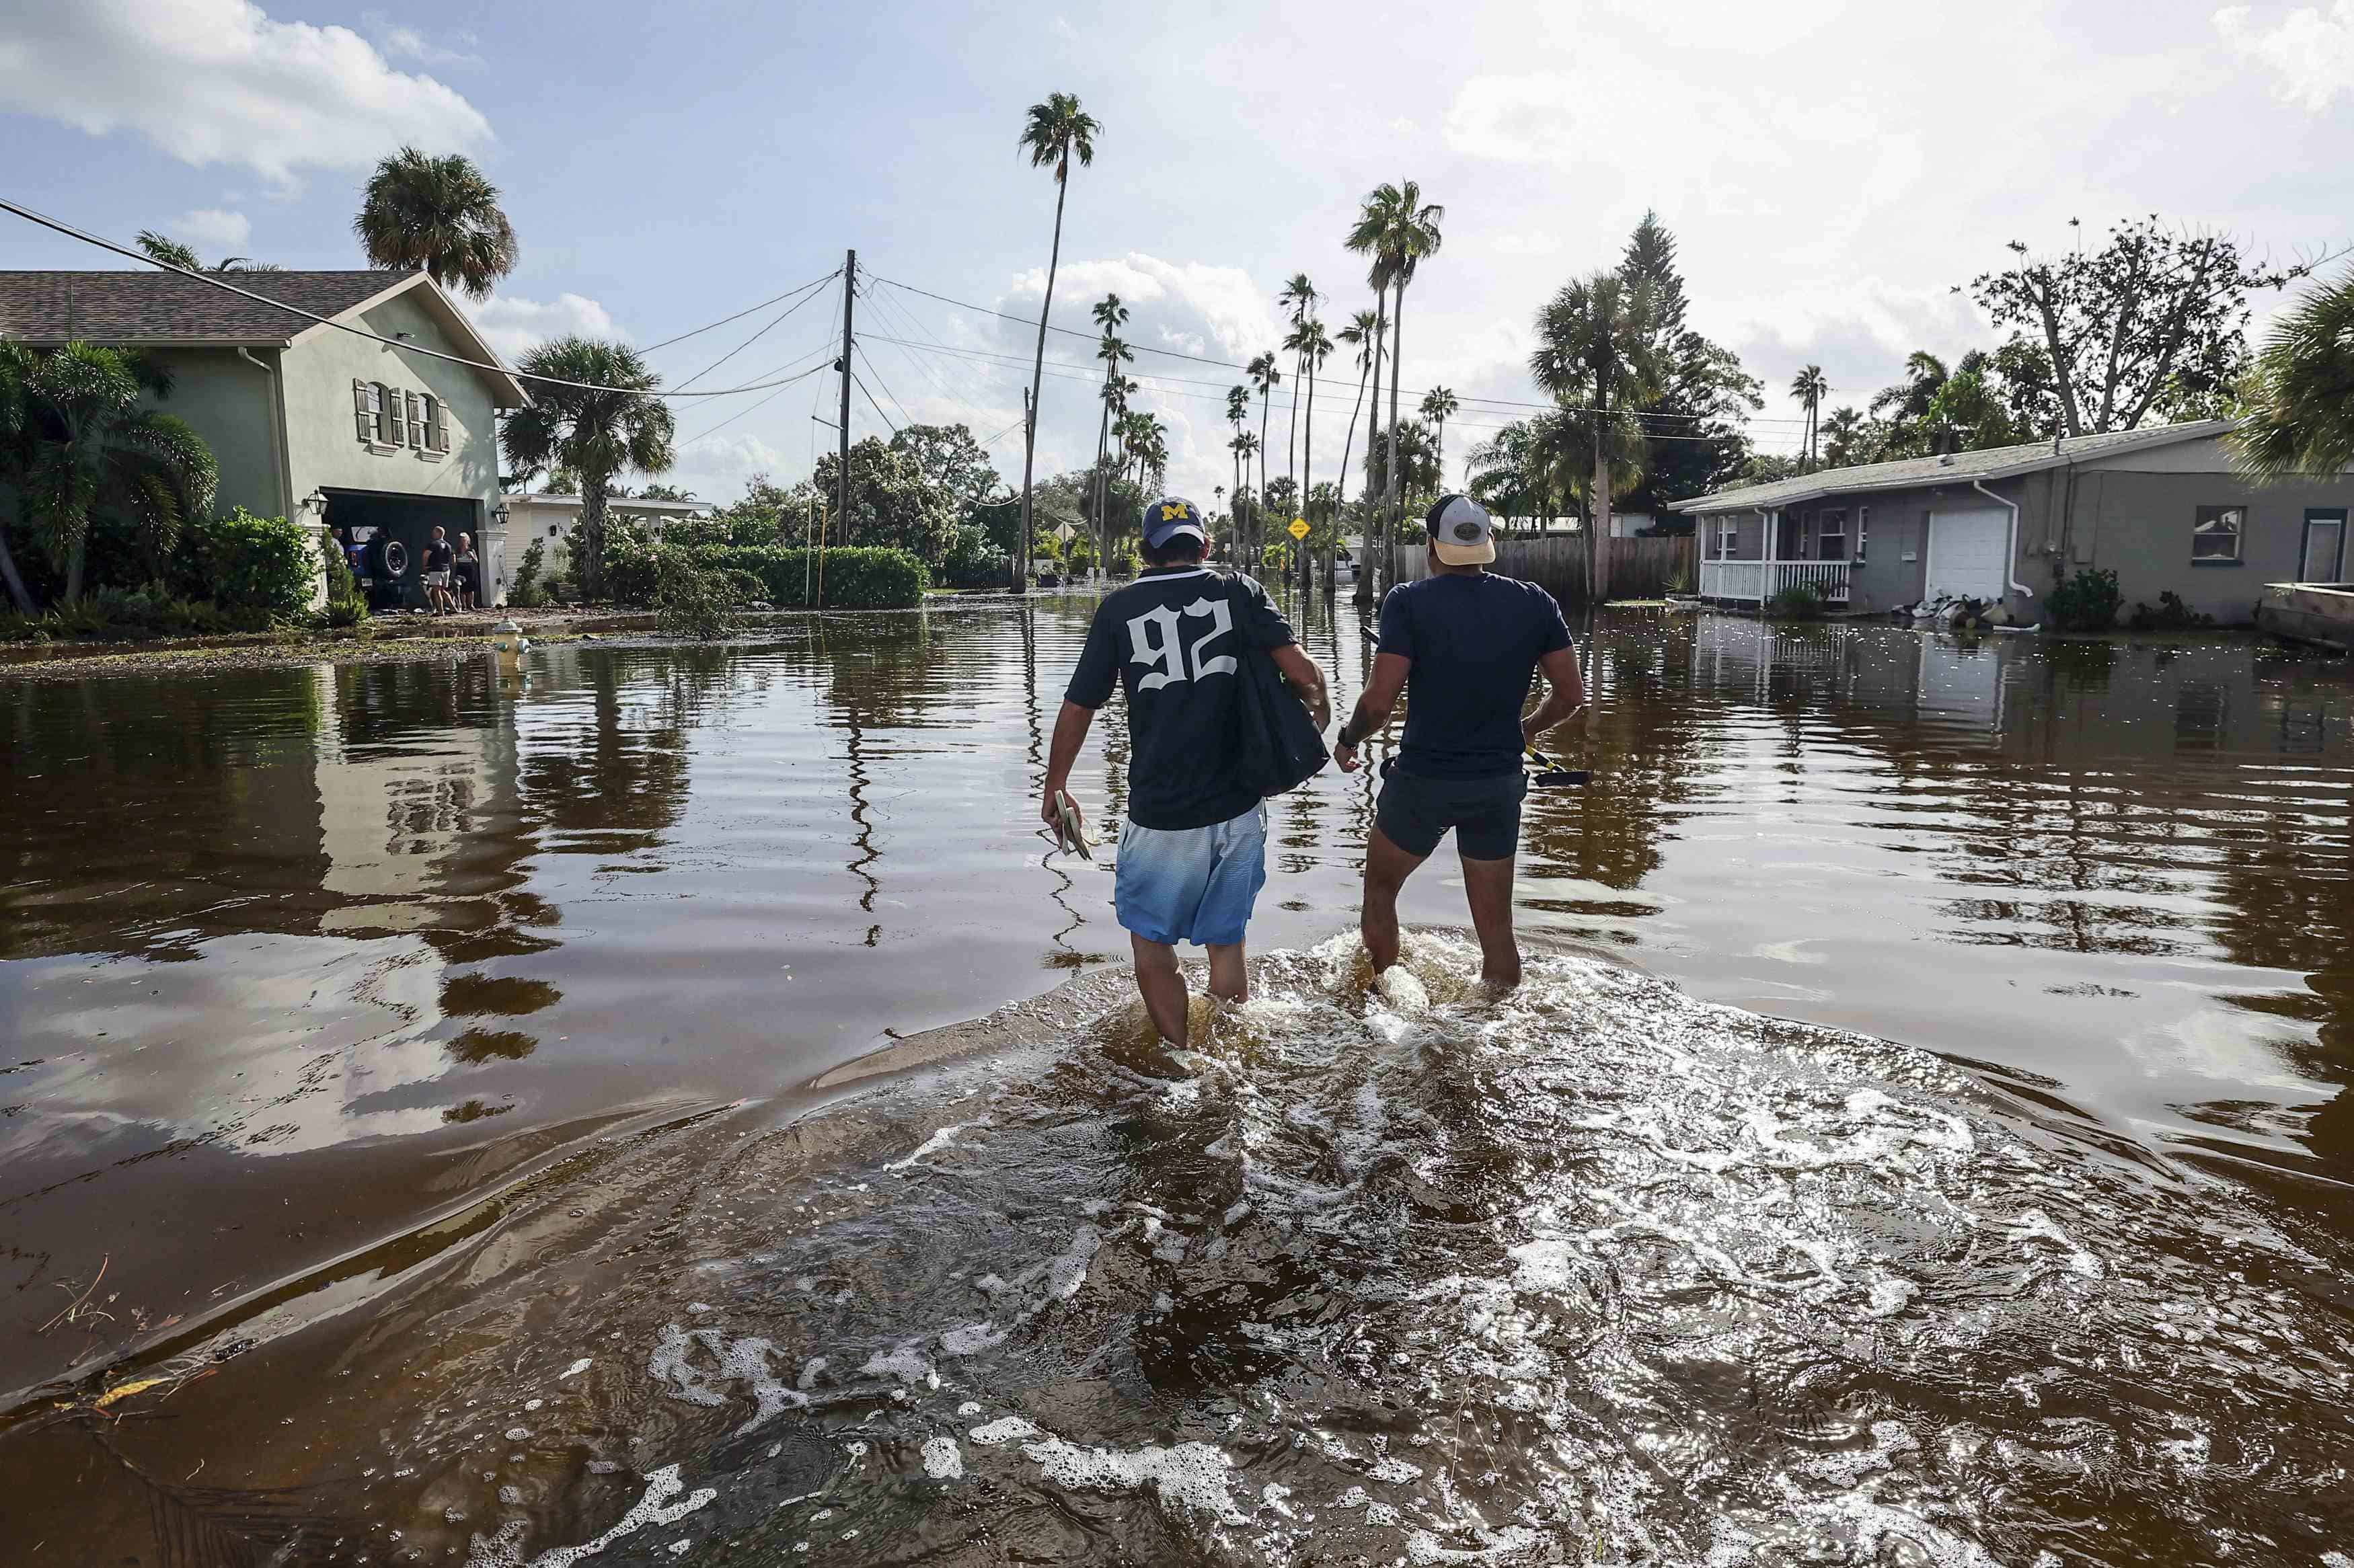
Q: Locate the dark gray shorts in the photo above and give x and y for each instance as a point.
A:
(1415, 814)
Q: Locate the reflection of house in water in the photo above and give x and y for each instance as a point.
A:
(1950, 682)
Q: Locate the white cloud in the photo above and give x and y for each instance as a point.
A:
(407, 43)
(513, 325)
(211, 228)
(718, 470)
(217, 82)
(2311, 52)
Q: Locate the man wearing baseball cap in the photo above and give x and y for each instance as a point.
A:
(1462, 644)
(1193, 855)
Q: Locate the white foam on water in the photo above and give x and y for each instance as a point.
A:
(942, 1462)
(904, 1362)
(1189, 1476)
(972, 1338)
(1005, 1429)
(744, 1361)
(576, 1369)
(505, 1548)
(938, 1141)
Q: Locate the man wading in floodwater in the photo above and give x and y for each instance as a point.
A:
(1193, 855)
(1462, 644)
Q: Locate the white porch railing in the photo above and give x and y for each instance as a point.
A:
(1757, 581)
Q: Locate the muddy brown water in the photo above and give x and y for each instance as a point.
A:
(441, 1120)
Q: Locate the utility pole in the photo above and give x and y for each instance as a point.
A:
(842, 478)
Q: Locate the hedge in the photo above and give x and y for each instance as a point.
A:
(854, 578)
(263, 566)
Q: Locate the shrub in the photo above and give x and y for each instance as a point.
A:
(971, 562)
(345, 605)
(2171, 615)
(527, 592)
(1797, 601)
(264, 565)
(2087, 602)
(697, 601)
(1125, 561)
(633, 567)
(853, 579)
(117, 615)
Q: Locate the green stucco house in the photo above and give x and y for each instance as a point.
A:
(307, 420)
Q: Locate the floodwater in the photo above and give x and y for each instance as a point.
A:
(455, 1116)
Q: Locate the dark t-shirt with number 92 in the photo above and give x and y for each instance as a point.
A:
(1170, 639)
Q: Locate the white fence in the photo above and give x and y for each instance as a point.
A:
(1757, 581)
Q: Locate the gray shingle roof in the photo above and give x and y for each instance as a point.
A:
(128, 307)
(1906, 473)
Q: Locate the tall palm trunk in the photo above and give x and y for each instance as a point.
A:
(1103, 481)
(1398, 373)
(1291, 461)
(1258, 513)
(1308, 457)
(589, 569)
(1377, 560)
(1235, 512)
(1038, 378)
(1601, 508)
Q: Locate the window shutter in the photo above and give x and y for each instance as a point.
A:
(437, 424)
(392, 419)
(416, 421)
(363, 416)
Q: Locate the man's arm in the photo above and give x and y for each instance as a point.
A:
(1071, 727)
(1562, 702)
(1306, 679)
(1374, 706)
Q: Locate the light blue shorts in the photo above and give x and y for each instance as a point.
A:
(1190, 885)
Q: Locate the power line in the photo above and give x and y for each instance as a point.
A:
(878, 408)
(774, 322)
(782, 388)
(71, 232)
(739, 315)
(863, 359)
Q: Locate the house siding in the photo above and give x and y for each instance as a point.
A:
(232, 406)
(2132, 513)
(323, 453)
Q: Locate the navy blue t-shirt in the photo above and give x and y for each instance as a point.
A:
(1475, 641)
(1173, 641)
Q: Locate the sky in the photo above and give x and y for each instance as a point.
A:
(1831, 170)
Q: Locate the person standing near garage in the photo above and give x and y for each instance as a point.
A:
(440, 559)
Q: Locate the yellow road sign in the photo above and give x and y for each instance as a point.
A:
(1299, 529)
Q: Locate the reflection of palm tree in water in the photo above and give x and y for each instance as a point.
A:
(1038, 763)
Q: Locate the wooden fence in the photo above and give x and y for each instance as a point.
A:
(1639, 568)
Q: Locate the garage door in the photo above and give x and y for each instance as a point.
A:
(1969, 552)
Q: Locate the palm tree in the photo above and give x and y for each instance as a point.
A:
(1439, 406)
(1110, 315)
(1054, 132)
(599, 429)
(2300, 397)
(439, 215)
(1844, 433)
(172, 253)
(1397, 230)
(1809, 387)
(1313, 345)
(1248, 446)
(1237, 410)
(1266, 377)
(1362, 333)
(75, 440)
(1597, 353)
(1300, 296)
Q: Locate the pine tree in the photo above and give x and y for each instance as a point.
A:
(1704, 391)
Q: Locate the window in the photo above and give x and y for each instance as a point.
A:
(1863, 531)
(2323, 558)
(437, 432)
(1830, 535)
(1728, 537)
(2216, 536)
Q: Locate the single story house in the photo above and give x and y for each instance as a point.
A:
(549, 519)
(307, 421)
(2160, 507)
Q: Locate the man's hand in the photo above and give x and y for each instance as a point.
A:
(1051, 817)
(1346, 756)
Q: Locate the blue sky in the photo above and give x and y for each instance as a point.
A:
(1831, 170)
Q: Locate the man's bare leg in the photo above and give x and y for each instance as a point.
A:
(1163, 985)
(1488, 885)
(1229, 973)
(1386, 869)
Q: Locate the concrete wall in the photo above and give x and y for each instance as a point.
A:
(324, 452)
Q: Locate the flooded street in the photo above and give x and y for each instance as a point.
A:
(674, 1102)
